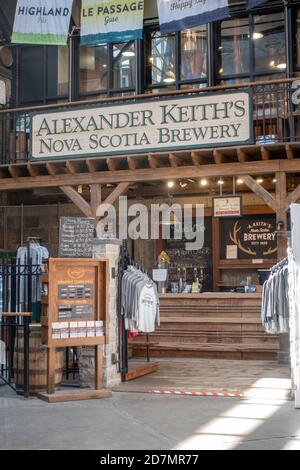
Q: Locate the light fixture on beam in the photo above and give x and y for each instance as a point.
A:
(203, 182)
(170, 184)
(259, 180)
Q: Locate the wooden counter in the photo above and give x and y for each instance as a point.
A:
(212, 325)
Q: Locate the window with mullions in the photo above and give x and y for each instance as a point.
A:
(107, 69)
(177, 58)
(93, 69)
(43, 74)
(251, 46)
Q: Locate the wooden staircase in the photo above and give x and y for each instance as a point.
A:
(211, 328)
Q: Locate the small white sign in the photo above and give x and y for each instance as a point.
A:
(159, 275)
(231, 252)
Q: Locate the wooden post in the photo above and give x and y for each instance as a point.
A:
(98, 368)
(216, 249)
(51, 370)
(281, 212)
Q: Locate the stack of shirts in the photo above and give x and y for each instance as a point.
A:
(275, 300)
(140, 301)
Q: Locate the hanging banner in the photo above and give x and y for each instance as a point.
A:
(177, 15)
(254, 3)
(44, 22)
(105, 21)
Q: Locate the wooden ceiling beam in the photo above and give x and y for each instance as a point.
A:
(91, 165)
(218, 157)
(116, 193)
(78, 200)
(71, 167)
(260, 191)
(132, 163)
(242, 155)
(265, 153)
(146, 174)
(174, 160)
(33, 170)
(15, 171)
(111, 164)
(294, 196)
(197, 158)
(290, 152)
(52, 169)
(153, 162)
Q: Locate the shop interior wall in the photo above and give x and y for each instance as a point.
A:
(17, 223)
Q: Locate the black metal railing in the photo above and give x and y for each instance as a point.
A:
(14, 351)
(19, 304)
(275, 117)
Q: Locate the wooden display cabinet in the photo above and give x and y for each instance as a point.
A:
(77, 293)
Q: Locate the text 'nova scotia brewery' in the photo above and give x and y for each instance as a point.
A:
(165, 102)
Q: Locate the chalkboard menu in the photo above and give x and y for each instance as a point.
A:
(193, 263)
(76, 236)
(255, 237)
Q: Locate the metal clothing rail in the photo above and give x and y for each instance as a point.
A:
(125, 261)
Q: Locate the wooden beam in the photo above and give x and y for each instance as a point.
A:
(242, 155)
(174, 160)
(52, 169)
(218, 157)
(78, 200)
(197, 158)
(96, 196)
(91, 165)
(294, 196)
(265, 153)
(33, 170)
(260, 191)
(153, 162)
(112, 164)
(146, 174)
(281, 212)
(15, 171)
(116, 193)
(132, 164)
(290, 153)
(71, 167)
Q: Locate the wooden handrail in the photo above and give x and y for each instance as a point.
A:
(71, 104)
(15, 314)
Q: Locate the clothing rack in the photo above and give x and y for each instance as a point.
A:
(124, 262)
(279, 265)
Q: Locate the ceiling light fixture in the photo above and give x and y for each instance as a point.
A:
(221, 182)
(171, 184)
(204, 182)
(257, 35)
(128, 54)
(281, 66)
(260, 180)
(240, 181)
(183, 184)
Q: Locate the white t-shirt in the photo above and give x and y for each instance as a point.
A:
(148, 309)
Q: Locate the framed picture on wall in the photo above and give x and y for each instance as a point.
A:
(227, 206)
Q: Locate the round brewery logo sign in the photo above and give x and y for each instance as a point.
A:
(255, 239)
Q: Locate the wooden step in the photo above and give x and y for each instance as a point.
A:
(213, 350)
(204, 336)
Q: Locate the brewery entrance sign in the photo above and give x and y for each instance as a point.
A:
(205, 120)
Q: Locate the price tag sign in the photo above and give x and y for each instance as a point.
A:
(159, 275)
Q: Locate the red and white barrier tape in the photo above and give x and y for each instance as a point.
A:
(197, 394)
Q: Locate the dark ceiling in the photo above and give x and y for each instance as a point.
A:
(7, 12)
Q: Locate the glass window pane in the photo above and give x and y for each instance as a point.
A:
(124, 65)
(63, 71)
(269, 42)
(298, 39)
(93, 68)
(160, 65)
(193, 53)
(233, 49)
